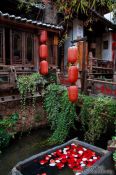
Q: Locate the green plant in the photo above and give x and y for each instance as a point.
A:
(10, 121)
(61, 112)
(51, 76)
(96, 114)
(27, 85)
(5, 133)
(114, 138)
(4, 138)
(114, 158)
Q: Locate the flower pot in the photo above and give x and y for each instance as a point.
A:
(35, 164)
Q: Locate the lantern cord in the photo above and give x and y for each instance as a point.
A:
(72, 34)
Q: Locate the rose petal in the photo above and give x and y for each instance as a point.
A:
(60, 165)
(42, 162)
(52, 161)
(47, 158)
(84, 159)
(52, 164)
(80, 152)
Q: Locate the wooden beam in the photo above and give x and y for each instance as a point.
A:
(28, 27)
(100, 81)
(17, 97)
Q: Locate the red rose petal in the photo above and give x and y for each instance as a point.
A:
(52, 161)
(75, 156)
(42, 162)
(47, 158)
(60, 165)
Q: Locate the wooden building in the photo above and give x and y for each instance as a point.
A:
(19, 40)
(96, 44)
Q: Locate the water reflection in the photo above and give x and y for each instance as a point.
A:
(23, 148)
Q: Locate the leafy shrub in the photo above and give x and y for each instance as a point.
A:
(5, 125)
(95, 115)
(4, 138)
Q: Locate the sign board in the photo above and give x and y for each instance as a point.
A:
(102, 87)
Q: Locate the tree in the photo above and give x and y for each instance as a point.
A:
(69, 7)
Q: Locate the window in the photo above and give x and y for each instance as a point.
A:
(17, 48)
(29, 48)
(105, 44)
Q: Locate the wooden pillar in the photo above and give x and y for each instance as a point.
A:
(4, 61)
(83, 74)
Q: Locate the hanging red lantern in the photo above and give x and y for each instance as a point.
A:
(43, 36)
(72, 74)
(72, 54)
(43, 51)
(73, 93)
(44, 67)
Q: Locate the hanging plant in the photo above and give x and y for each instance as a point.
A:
(61, 112)
(94, 117)
(27, 86)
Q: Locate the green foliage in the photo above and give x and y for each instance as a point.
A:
(96, 114)
(51, 76)
(69, 7)
(5, 125)
(9, 122)
(27, 85)
(61, 112)
(114, 158)
(4, 138)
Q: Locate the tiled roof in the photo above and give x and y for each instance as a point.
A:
(30, 21)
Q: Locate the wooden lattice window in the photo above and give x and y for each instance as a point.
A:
(17, 47)
(1, 46)
(29, 56)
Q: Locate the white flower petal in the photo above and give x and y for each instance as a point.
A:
(52, 164)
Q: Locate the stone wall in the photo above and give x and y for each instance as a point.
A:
(28, 118)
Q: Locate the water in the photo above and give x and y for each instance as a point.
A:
(22, 148)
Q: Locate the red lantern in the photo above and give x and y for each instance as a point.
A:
(73, 93)
(43, 36)
(73, 74)
(43, 51)
(44, 67)
(72, 54)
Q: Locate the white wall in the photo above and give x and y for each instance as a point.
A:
(73, 35)
(109, 16)
(107, 53)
